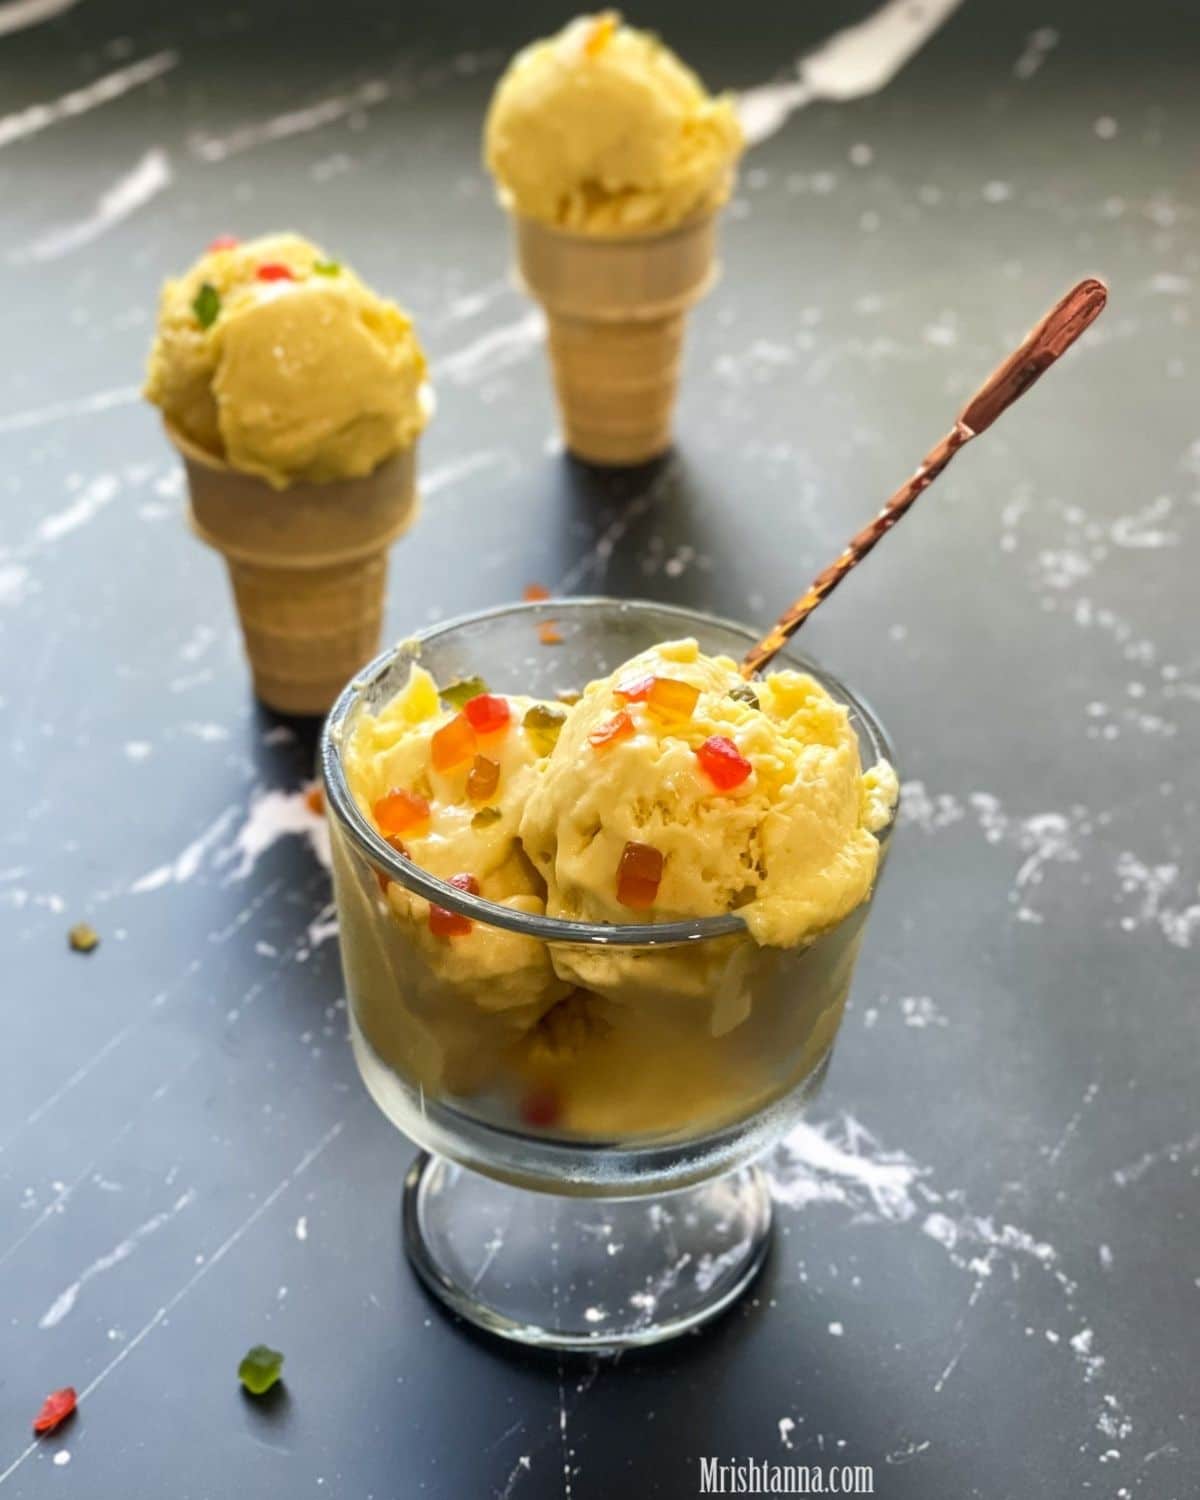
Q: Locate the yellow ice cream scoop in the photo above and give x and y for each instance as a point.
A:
(603, 130)
(678, 790)
(282, 363)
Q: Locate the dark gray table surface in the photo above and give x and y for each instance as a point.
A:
(987, 1281)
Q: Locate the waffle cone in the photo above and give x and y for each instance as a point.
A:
(616, 312)
(308, 567)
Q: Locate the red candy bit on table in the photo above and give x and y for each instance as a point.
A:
(448, 924)
(549, 633)
(452, 744)
(483, 778)
(400, 812)
(535, 593)
(275, 270)
(541, 1108)
(669, 699)
(56, 1408)
(634, 689)
(619, 727)
(639, 875)
(488, 713)
(224, 242)
(723, 763)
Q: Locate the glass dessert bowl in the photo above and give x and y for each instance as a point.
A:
(590, 1095)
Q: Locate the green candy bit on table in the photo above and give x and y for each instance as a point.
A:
(206, 305)
(485, 817)
(260, 1369)
(83, 937)
(327, 267)
(462, 690)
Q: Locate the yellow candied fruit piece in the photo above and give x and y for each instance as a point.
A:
(418, 699)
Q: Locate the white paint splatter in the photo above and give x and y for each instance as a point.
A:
(133, 190)
(494, 351)
(327, 111)
(302, 1227)
(68, 1297)
(1038, 46)
(91, 500)
(57, 411)
(38, 117)
(185, 865)
(273, 815)
(786, 1427)
(449, 474)
(853, 63)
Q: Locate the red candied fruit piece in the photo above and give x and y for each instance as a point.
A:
(400, 812)
(56, 1408)
(275, 270)
(448, 924)
(669, 699)
(619, 727)
(634, 689)
(488, 713)
(452, 744)
(723, 763)
(639, 875)
(541, 1108)
(224, 242)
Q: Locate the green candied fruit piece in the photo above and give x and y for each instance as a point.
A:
(486, 816)
(745, 694)
(83, 937)
(260, 1369)
(462, 690)
(206, 305)
(327, 267)
(543, 723)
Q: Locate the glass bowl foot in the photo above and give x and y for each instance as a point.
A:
(595, 1275)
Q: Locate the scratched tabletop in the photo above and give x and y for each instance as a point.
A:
(986, 1279)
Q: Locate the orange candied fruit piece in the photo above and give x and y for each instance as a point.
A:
(601, 34)
(619, 727)
(400, 812)
(669, 699)
(639, 875)
(634, 689)
(549, 633)
(275, 270)
(535, 593)
(488, 713)
(223, 242)
(483, 778)
(723, 763)
(452, 744)
(448, 924)
(314, 799)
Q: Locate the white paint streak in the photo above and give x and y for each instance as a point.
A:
(450, 474)
(57, 411)
(67, 1298)
(20, 14)
(494, 351)
(91, 500)
(133, 190)
(38, 117)
(185, 865)
(215, 148)
(273, 815)
(853, 63)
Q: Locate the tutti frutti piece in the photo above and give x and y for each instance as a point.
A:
(448, 924)
(619, 727)
(483, 778)
(400, 812)
(723, 763)
(452, 744)
(487, 713)
(639, 875)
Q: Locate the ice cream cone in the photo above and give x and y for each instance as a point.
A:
(616, 310)
(308, 566)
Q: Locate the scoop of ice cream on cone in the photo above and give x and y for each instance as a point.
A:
(603, 130)
(280, 362)
(613, 161)
(294, 396)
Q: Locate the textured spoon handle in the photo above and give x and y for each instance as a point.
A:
(1052, 337)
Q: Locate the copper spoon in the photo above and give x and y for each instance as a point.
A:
(1052, 337)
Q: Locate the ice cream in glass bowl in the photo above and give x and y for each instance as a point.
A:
(600, 903)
